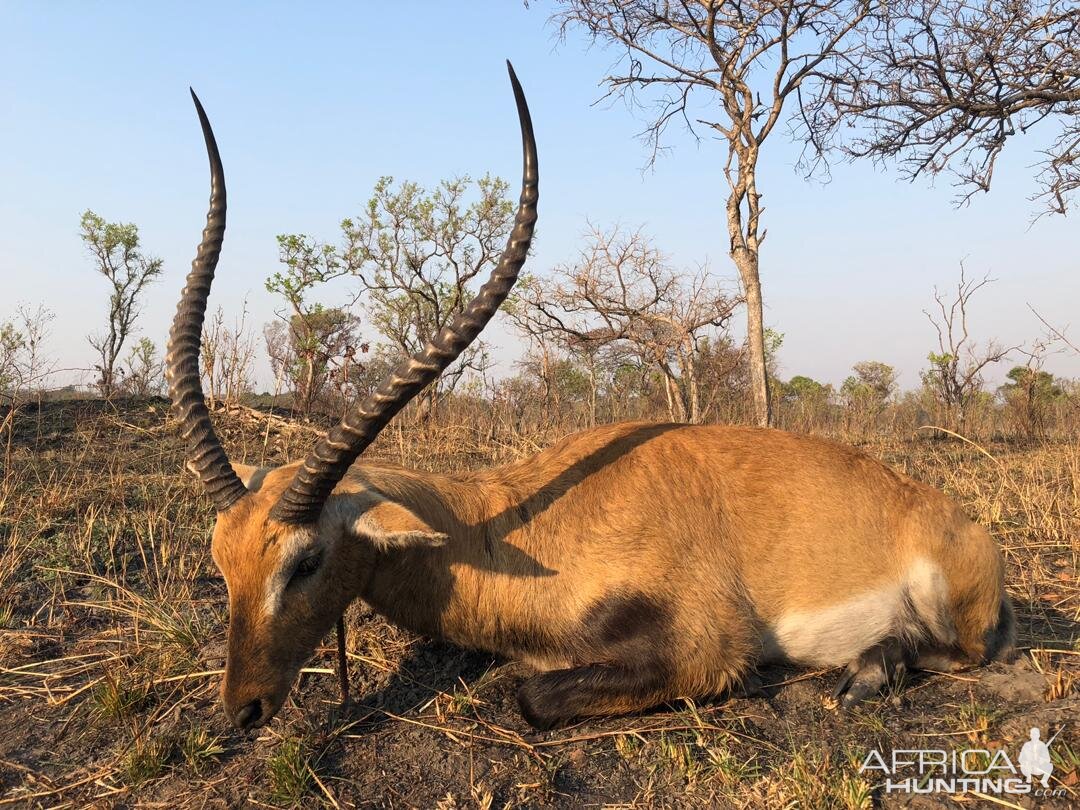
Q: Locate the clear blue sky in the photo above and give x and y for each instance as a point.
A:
(311, 103)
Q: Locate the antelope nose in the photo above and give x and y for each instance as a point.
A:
(248, 716)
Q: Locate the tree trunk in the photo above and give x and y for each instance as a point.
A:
(426, 406)
(309, 385)
(747, 263)
(695, 395)
(592, 392)
(670, 401)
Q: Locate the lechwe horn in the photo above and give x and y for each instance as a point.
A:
(302, 502)
(206, 456)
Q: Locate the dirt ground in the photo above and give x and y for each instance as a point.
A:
(112, 622)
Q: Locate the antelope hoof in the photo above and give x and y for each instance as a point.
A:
(880, 666)
(750, 687)
(853, 689)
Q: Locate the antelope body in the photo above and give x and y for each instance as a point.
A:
(630, 564)
(636, 563)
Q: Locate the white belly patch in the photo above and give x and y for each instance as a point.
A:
(835, 635)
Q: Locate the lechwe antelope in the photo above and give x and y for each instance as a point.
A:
(630, 564)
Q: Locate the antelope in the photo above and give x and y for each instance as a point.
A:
(629, 565)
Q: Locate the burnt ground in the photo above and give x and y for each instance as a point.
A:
(112, 630)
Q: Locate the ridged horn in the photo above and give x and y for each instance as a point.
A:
(205, 454)
(326, 465)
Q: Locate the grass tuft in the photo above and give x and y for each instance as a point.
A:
(119, 697)
(145, 761)
(200, 749)
(289, 772)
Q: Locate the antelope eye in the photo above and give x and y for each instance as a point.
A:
(306, 567)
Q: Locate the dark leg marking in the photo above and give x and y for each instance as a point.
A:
(882, 665)
(1001, 638)
(556, 697)
(624, 646)
(627, 626)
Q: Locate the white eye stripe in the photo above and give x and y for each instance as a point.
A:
(294, 548)
(275, 591)
(272, 600)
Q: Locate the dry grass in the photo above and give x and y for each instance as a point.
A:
(112, 627)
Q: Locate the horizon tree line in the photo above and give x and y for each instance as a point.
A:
(930, 87)
(617, 332)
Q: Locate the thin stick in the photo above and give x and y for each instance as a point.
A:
(206, 673)
(342, 663)
(964, 439)
(53, 792)
(322, 787)
(995, 800)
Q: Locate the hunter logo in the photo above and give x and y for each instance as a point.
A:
(1035, 759)
(935, 770)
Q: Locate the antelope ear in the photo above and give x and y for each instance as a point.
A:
(251, 477)
(390, 525)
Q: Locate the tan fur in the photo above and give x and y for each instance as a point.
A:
(712, 541)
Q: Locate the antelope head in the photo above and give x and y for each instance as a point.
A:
(292, 555)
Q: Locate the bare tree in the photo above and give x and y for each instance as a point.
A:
(748, 59)
(227, 358)
(943, 85)
(1056, 334)
(119, 258)
(22, 366)
(955, 373)
(416, 254)
(35, 368)
(622, 295)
